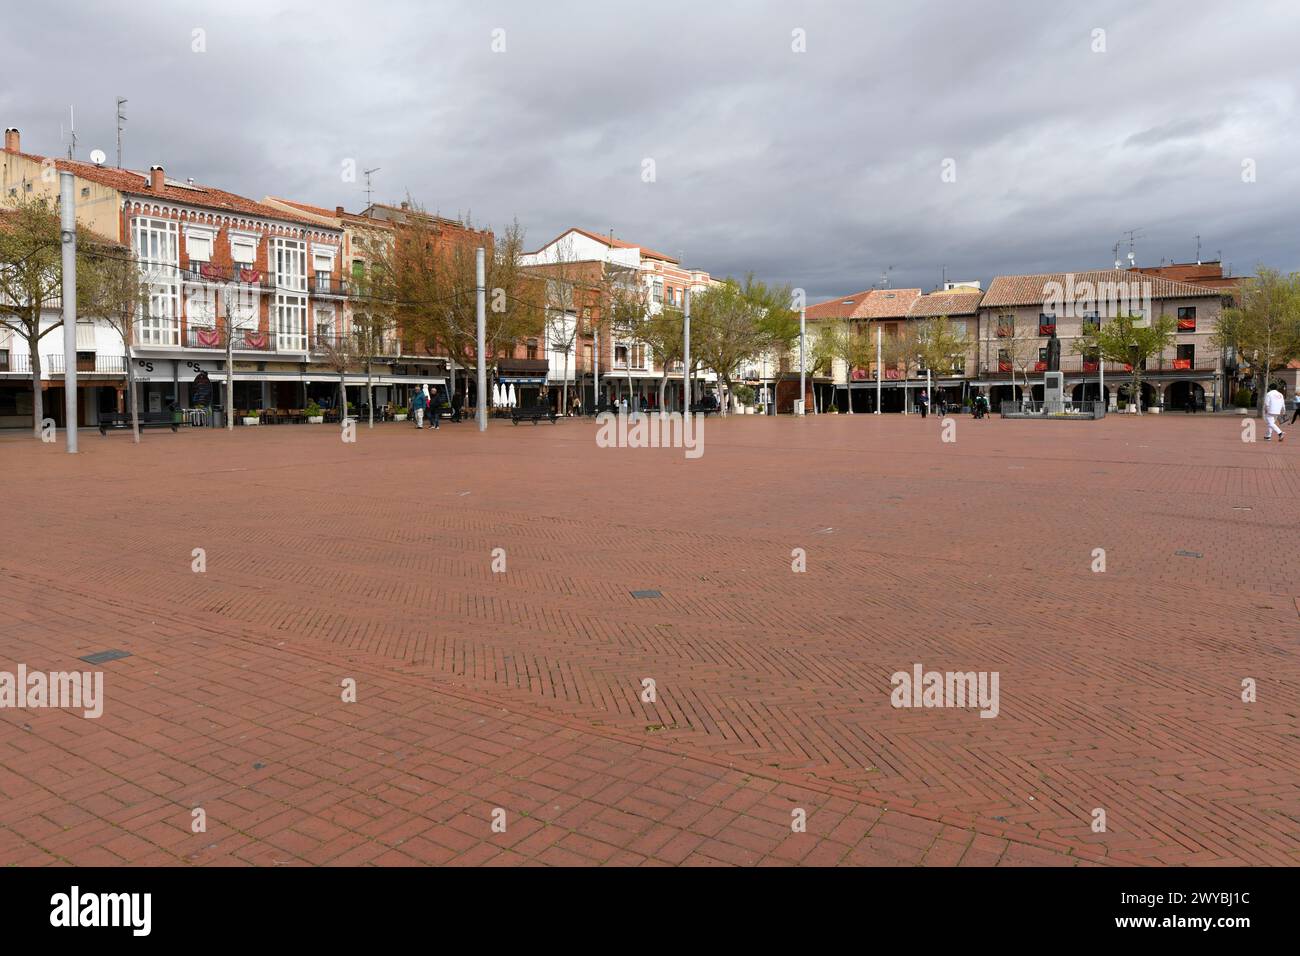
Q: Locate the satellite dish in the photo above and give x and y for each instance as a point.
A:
(97, 156)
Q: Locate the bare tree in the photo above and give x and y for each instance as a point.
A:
(31, 280)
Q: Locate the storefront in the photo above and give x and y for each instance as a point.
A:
(527, 377)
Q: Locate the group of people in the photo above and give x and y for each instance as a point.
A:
(431, 405)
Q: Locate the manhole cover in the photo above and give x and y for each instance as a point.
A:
(1188, 554)
(103, 657)
(646, 594)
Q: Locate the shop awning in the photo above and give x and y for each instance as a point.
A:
(522, 379)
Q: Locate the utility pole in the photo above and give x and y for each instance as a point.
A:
(480, 314)
(121, 118)
(68, 228)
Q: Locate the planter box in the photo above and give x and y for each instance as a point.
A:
(247, 420)
(316, 419)
(399, 418)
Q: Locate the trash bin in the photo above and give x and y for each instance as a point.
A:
(218, 416)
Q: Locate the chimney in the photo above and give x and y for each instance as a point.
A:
(338, 211)
(11, 141)
(405, 204)
(156, 178)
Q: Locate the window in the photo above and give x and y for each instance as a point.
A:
(155, 242)
(659, 290)
(1004, 360)
(289, 259)
(1091, 320)
(1041, 364)
(532, 348)
(243, 250)
(200, 305)
(1186, 356)
(1046, 323)
(198, 246)
(324, 325)
(290, 322)
(1091, 360)
(358, 269)
(1187, 318)
(1006, 325)
(243, 308)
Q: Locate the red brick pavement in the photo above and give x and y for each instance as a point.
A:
(521, 690)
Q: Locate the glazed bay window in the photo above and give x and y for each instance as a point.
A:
(289, 260)
(156, 246)
(290, 312)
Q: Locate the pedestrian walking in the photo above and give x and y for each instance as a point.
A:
(923, 403)
(1274, 408)
(435, 407)
(419, 405)
(1295, 402)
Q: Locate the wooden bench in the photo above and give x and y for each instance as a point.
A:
(704, 408)
(109, 420)
(533, 413)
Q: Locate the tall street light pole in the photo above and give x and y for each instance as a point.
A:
(686, 363)
(480, 310)
(803, 332)
(68, 228)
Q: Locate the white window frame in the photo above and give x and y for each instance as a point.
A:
(289, 263)
(289, 315)
(156, 243)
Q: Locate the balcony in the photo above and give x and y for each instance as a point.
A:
(214, 338)
(323, 287)
(20, 364)
(91, 364)
(326, 341)
(207, 272)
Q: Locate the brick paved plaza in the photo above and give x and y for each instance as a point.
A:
(522, 690)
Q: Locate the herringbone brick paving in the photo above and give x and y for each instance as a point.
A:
(1120, 690)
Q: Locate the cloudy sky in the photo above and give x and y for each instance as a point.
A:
(821, 168)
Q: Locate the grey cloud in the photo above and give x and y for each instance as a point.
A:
(819, 168)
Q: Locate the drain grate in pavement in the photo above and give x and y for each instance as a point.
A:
(1188, 554)
(103, 657)
(646, 594)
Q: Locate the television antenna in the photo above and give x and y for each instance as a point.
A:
(368, 173)
(1133, 234)
(884, 277)
(121, 118)
(72, 132)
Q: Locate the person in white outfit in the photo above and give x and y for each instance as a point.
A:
(1274, 408)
